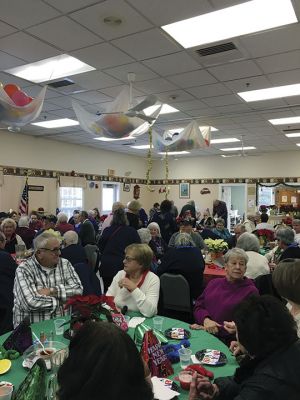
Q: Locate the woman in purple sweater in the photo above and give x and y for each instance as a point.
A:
(220, 297)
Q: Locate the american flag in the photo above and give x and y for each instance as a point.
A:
(23, 208)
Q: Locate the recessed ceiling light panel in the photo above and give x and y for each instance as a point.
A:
(292, 135)
(107, 139)
(141, 147)
(56, 123)
(224, 140)
(285, 121)
(238, 148)
(242, 19)
(50, 69)
(174, 153)
(271, 93)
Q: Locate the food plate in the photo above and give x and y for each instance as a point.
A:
(36, 351)
(4, 366)
(177, 333)
(214, 358)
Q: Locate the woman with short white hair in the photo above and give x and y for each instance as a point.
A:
(62, 225)
(27, 234)
(158, 245)
(8, 227)
(257, 264)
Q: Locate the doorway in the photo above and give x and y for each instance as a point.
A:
(235, 197)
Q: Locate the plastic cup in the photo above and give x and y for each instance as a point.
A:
(6, 392)
(185, 379)
(158, 323)
(59, 329)
(185, 357)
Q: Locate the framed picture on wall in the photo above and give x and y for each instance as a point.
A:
(184, 190)
(126, 187)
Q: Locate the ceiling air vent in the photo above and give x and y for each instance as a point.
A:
(220, 48)
(291, 130)
(62, 83)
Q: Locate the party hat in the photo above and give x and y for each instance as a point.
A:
(20, 338)
(140, 331)
(34, 385)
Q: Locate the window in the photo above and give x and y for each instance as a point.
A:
(110, 194)
(70, 199)
(266, 196)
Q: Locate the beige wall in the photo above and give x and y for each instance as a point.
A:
(29, 152)
(279, 164)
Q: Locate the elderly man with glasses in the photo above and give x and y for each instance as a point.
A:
(44, 282)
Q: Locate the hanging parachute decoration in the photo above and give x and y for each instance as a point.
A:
(191, 138)
(17, 108)
(121, 119)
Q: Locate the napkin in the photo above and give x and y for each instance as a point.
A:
(195, 359)
(161, 392)
(135, 321)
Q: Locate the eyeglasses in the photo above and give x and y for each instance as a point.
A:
(54, 251)
(127, 258)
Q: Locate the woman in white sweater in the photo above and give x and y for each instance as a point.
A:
(257, 264)
(136, 286)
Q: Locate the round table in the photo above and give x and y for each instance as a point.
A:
(199, 340)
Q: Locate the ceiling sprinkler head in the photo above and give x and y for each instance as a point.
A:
(112, 21)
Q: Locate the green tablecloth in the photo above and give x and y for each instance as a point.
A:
(199, 340)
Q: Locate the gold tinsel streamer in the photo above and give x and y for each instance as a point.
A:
(149, 159)
(167, 171)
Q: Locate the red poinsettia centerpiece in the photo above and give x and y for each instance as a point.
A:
(85, 308)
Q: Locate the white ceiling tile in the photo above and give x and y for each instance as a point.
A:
(95, 80)
(26, 47)
(219, 4)
(294, 100)
(7, 78)
(225, 100)
(155, 85)
(101, 56)
(274, 41)
(216, 89)
(62, 101)
(203, 112)
(167, 11)
(70, 5)
(174, 95)
(91, 97)
(22, 14)
(235, 70)
(115, 90)
(92, 17)
(65, 113)
(7, 61)
(172, 64)
(250, 83)
(64, 33)
(192, 79)
(267, 104)
(189, 105)
(280, 62)
(285, 78)
(6, 29)
(142, 73)
(148, 44)
(233, 108)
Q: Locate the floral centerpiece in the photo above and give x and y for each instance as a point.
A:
(216, 245)
(265, 236)
(85, 308)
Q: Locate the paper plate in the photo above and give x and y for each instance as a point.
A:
(177, 333)
(213, 358)
(4, 366)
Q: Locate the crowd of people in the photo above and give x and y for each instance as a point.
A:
(131, 250)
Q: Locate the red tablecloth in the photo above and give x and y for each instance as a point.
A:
(212, 271)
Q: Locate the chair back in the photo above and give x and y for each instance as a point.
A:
(175, 293)
(92, 254)
(88, 279)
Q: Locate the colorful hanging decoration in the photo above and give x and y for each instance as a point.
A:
(17, 108)
(149, 161)
(120, 119)
(191, 138)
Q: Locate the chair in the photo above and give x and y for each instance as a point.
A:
(88, 279)
(92, 254)
(175, 296)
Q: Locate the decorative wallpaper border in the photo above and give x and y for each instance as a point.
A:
(41, 173)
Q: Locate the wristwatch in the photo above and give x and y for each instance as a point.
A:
(53, 292)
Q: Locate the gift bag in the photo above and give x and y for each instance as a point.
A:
(155, 357)
(20, 338)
